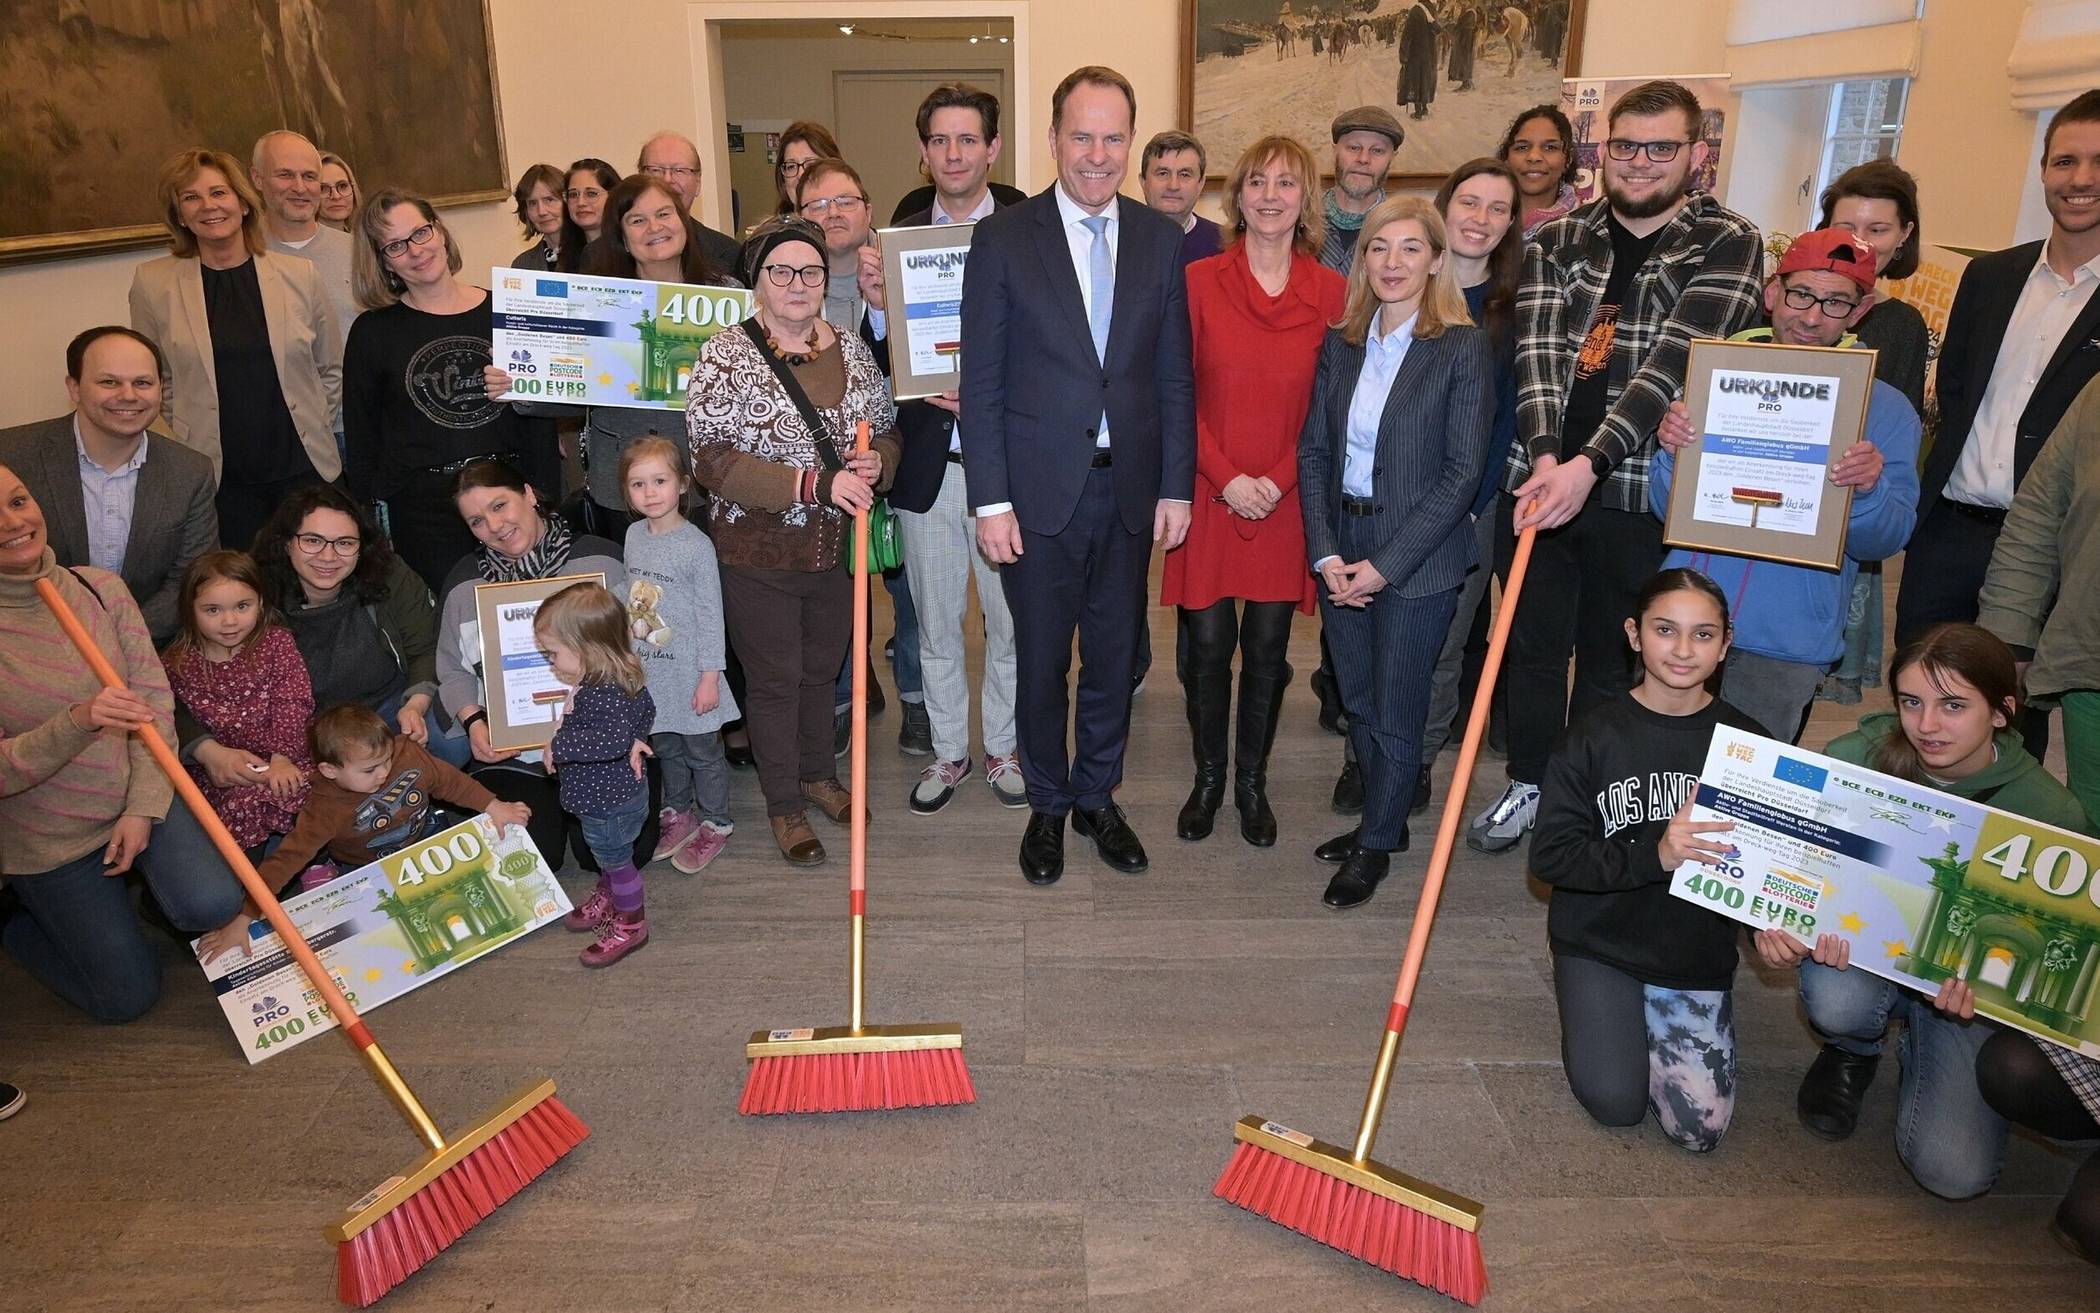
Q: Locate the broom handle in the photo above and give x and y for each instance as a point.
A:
(353, 1026)
(1440, 855)
(858, 830)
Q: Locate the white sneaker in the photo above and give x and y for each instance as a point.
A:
(1502, 825)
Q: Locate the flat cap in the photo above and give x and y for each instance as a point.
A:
(1369, 118)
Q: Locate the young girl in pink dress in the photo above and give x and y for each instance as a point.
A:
(235, 670)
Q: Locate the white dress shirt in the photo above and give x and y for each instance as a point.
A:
(107, 498)
(1383, 353)
(2048, 306)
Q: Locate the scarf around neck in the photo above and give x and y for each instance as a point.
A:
(1339, 219)
(543, 561)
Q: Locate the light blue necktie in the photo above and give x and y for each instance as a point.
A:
(1101, 272)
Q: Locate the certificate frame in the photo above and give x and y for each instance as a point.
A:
(910, 378)
(491, 601)
(1852, 371)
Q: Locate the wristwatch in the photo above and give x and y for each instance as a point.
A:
(473, 718)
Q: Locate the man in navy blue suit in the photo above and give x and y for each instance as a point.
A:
(1080, 442)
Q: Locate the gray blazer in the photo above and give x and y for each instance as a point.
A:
(172, 518)
(1432, 444)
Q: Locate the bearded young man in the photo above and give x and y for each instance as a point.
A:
(1612, 296)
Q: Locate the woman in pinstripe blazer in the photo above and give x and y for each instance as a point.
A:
(1388, 463)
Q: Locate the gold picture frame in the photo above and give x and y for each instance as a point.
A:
(1752, 492)
(499, 611)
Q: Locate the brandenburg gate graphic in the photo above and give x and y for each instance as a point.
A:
(2042, 966)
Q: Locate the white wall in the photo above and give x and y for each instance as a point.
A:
(576, 82)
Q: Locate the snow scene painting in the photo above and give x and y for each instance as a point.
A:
(1454, 72)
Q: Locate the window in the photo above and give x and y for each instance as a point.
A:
(1865, 123)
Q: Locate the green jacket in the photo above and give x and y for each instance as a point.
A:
(2052, 537)
(2023, 786)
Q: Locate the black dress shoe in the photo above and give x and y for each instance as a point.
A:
(1113, 838)
(1828, 1104)
(1353, 885)
(1043, 848)
(1337, 849)
(738, 755)
(1349, 790)
(1420, 802)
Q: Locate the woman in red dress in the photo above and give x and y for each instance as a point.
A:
(1259, 310)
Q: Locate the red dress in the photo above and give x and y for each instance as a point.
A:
(261, 702)
(1255, 355)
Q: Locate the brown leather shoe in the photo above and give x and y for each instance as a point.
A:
(831, 798)
(798, 843)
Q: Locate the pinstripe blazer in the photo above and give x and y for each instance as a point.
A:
(172, 517)
(1432, 444)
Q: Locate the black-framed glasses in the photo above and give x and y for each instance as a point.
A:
(817, 209)
(793, 168)
(784, 275)
(313, 544)
(1835, 307)
(1659, 152)
(679, 171)
(337, 189)
(397, 248)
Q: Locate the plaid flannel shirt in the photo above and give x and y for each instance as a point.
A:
(1704, 278)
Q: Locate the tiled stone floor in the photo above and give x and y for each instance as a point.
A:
(1116, 1027)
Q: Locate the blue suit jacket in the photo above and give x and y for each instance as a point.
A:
(1432, 443)
(1033, 391)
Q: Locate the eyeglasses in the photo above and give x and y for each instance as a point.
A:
(1659, 152)
(678, 171)
(794, 168)
(1834, 307)
(336, 189)
(395, 249)
(313, 544)
(843, 204)
(784, 275)
(583, 193)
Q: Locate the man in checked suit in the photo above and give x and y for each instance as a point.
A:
(115, 496)
(1080, 441)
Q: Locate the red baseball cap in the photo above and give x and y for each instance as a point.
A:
(1830, 250)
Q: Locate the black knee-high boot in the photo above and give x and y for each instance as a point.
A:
(1261, 706)
(1209, 696)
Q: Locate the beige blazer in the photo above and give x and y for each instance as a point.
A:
(167, 304)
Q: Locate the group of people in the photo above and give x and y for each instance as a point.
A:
(1346, 402)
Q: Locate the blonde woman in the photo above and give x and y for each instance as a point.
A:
(1388, 463)
(254, 356)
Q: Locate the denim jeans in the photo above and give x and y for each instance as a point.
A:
(904, 665)
(1946, 1134)
(78, 934)
(611, 836)
(452, 751)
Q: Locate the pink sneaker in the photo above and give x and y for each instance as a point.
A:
(674, 829)
(592, 912)
(616, 939)
(704, 846)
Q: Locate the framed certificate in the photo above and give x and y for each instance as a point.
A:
(1772, 421)
(521, 694)
(922, 270)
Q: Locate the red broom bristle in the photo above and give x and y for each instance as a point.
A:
(421, 1227)
(857, 1082)
(1382, 1232)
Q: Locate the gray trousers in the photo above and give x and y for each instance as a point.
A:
(1773, 693)
(695, 773)
(1443, 685)
(940, 556)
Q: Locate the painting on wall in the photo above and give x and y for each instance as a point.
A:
(1454, 72)
(97, 95)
